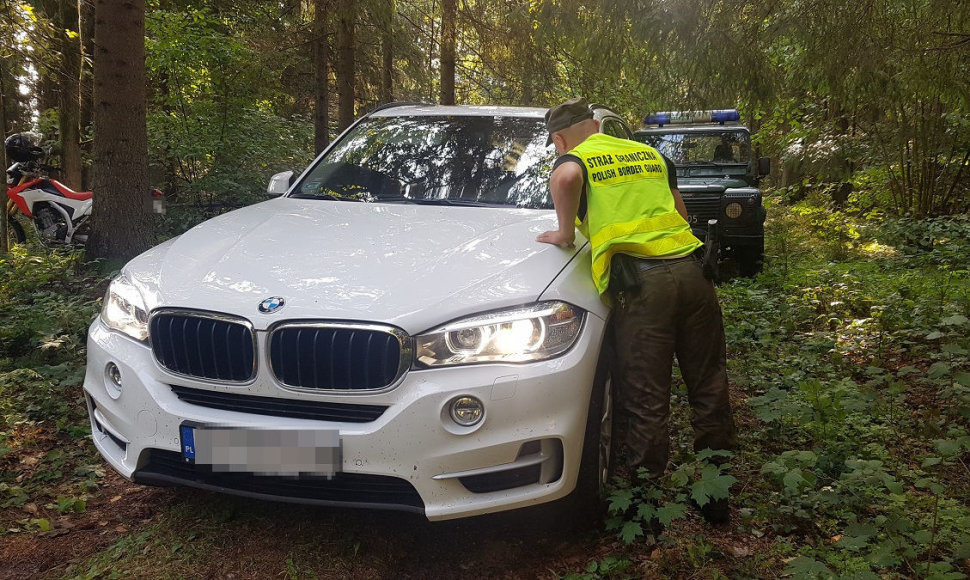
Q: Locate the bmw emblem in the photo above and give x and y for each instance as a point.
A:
(271, 305)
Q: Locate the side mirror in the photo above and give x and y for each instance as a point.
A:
(764, 166)
(280, 183)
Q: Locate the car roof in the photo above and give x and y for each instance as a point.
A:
(706, 128)
(422, 110)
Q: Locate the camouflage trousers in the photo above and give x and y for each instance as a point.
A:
(674, 312)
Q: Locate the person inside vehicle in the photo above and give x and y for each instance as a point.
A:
(724, 152)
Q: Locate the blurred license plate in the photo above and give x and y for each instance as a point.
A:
(263, 451)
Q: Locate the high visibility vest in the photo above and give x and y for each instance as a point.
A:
(630, 208)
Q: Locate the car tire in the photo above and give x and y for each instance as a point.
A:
(586, 505)
(750, 259)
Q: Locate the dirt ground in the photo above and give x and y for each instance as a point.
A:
(132, 531)
(127, 530)
(205, 535)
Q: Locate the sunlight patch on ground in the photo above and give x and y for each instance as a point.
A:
(874, 249)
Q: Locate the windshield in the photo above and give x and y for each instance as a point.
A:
(452, 160)
(701, 148)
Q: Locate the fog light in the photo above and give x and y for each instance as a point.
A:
(733, 210)
(114, 374)
(467, 411)
(112, 380)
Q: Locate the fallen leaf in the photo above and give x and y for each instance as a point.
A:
(115, 498)
(836, 537)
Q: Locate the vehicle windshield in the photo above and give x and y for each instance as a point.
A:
(448, 160)
(701, 148)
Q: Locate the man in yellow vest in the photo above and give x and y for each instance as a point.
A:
(623, 197)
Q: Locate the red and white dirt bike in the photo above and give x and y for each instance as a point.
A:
(59, 214)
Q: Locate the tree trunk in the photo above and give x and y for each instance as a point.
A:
(4, 240)
(321, 56)
(121, 220)
(86, 10)
(49, 74)
(69, 103)
(387, 51)
(345, 62)
(449, 32)
(15, 109)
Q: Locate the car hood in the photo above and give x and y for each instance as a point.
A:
(414, 266)
(710, 184)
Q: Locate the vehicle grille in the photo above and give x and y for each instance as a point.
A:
(275, 407)
(167, 468)
(338, 357)
(703, 208)
(203, 345)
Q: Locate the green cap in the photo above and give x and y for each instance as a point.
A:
(567, 114)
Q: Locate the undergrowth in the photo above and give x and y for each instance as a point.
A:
(851, 354)
(47, 301)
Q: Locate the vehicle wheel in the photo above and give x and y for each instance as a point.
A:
(15, 232)
(750, 259)
(587, 503)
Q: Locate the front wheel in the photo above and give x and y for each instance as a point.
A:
(15, 232)
(750, 259)
(586, 504)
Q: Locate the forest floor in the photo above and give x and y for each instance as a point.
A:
(133, 531)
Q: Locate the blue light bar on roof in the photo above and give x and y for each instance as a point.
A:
(682, 117)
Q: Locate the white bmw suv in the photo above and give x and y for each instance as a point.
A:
(387, 333)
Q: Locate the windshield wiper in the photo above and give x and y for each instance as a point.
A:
(324, 196)
(422, 201)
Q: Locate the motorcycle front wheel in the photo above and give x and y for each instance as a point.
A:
(15, 232)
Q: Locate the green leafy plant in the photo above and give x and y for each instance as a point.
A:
(608, 567)
(635, 505)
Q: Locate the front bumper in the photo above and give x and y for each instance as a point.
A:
(526, 450)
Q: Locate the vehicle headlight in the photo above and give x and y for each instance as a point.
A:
(124, 310)
(524, 334)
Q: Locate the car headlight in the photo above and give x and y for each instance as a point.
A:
(733, 210)
(525, 334)
(124, 310)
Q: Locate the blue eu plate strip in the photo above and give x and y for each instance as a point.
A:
(188, 442)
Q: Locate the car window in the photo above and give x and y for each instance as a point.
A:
(616, 128)
(462, 160)
(701, 148)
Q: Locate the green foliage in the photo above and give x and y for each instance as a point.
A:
(43, 325)
(634, 505)
(216, 132)
(67, 504)
(941, 241)
(855, 370)
(608, 567)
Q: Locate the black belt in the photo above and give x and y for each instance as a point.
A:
(644, 264)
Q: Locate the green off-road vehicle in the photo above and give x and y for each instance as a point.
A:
(717, 176)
